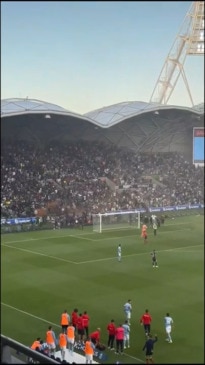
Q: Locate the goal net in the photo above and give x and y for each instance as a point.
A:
(115, 220)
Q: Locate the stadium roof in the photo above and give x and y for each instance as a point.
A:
(12, 107)
(116, 113)
(103, 117)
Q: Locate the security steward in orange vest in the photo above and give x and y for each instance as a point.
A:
(63, 344)
(36, 344)
(65, 319)
(89, 351)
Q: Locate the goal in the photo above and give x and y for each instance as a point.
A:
(115, 220)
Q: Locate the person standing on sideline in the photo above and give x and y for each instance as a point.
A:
(168, 322)
(128, 310)
(149, 347)
(119, 252)
(111, 334)
(126, 327)
(74, 316)
(89, 351)
(119, 335)
(80, 329)
(86, 320)
(154, 259)
(62, 344)
(51, 341)
(71, 338)
(155, 228)
(146, 320)
(65, 319)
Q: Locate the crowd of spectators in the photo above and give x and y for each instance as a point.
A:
(69, 178)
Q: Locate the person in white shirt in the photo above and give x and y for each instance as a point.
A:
(168, 322)
(127, 310)
(126, 334)
(154, 218)
(155, 228)
(119, 252)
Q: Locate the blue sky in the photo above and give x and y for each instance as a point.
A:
(86, 55)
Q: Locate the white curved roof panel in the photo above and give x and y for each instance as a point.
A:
(104, 117)
(17, 106)
(113, 114)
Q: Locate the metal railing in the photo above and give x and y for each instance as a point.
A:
(8, 344)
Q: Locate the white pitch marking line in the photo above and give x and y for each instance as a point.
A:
(31, 315)
(192, 251)
(41, 254)
(134, 254)
(81, 238)
(50, 238)
(89, 261)
(138, 235)
(54, 324)
(87, 239)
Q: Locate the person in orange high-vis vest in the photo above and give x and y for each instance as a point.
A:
(62, 344)
(36, 344)
(71, 337)
(65, 319)
(51, 341)
(89, 351)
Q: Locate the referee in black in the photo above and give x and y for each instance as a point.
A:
(149, 347)
(154, 259)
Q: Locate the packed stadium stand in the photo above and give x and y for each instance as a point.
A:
(125, 156)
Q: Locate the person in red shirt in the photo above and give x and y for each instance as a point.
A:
(146, 320)
(80, 328)
(74, 317)
(119, 335)
(86, 320)
(95, 337)
(111, 334)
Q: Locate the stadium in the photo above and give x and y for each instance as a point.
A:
(75, 187)
(114, 134)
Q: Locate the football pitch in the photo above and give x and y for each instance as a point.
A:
(45, 272)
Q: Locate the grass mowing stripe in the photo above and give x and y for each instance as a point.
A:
(87, 239)
(41, 254)
(54, 324)
(96, 260)
(135, 254)
(133, 235)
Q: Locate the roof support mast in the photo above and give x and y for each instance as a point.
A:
(189, 41)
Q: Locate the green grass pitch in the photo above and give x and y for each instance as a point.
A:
(45, 272)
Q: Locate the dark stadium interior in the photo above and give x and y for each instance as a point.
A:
(170, 130)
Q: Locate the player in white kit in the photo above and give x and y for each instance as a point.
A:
(168, 322)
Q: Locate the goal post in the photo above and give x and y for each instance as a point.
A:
(116, 220)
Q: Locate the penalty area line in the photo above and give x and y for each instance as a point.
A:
(40, 254)
(90, 234)
(30, 240)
